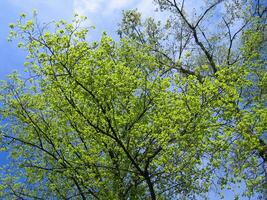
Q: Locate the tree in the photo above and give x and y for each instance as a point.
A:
(186, 43)
(139, 118)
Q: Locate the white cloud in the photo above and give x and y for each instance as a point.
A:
(83, 7)
(118, 4)
(108, 10)
(146, 7)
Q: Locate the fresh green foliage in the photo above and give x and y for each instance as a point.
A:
(113, 120)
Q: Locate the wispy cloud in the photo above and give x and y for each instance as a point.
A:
(146, 7)
(87, 7)
(118, 4)
(83, 7)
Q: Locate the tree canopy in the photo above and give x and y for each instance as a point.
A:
(169, 110)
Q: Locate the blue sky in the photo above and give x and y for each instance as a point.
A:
(104, 14)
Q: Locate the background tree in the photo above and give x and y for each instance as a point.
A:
(160, 114)
(187, 43)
